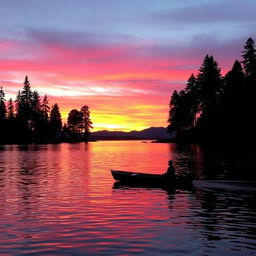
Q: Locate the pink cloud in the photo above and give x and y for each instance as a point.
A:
(130, 82)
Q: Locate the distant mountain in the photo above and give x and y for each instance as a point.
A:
(151, 133)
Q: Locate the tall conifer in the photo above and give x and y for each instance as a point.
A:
(2, 104)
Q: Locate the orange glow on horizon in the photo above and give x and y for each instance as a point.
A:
(127, 87)
(139, 117)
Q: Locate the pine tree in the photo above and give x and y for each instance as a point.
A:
(210, 84)
(45, 108)
(249, 58)
(184, 107)
(10, 110)
(37, 117)
(193, 98)
(12, 127)
(178, 112)
(24, 104)
(24, 113)
(87, 123)
(233, 110)
(18, 104)
(249, 65)
(36, 102)
(2, 105)
(26, 93)
(55, 119)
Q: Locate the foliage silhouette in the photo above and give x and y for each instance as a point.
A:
(31, 120)
(79, 123)
(214, 107)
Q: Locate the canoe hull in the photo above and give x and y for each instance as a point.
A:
(152, 180)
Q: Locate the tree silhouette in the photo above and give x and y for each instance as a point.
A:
(193, 99)
(36, 111)
(2, 116)
(220, 107)
(177, 113)
(75, 121)
(249, 65)
(36, 102)
(87, 123)
(17, 103)
(30, 119)
(233, 112)
(2, 105)
(45, 108)
(24, 109)
(12, 127)
(24, 113)
(43, 122)
(55, 120)
(10, 110)
(79, 123)
(25, 104)
(209, 81)
(249, 58)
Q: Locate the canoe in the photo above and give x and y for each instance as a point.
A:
(154, 180)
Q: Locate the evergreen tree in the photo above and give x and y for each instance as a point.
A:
(31, 120)
(249, 64)
(24, 113)
(2, 105)
(13, 130)
(178, 114)
(87, 123)
(44, 122)
(173, 119)
(37, 117)
(26, 94)
(210, 84)
(55, 119)
(249, 58)
(193, 99)
(18, 104)
(184, 107)
(3, 127)
(24, 104)
(45, 108)
(233, 112)
(10, 110)
(35, 102)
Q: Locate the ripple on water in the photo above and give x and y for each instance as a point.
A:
(61, 200)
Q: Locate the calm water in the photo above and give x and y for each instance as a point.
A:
(61, 200)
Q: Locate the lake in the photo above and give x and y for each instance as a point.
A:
(62, 200)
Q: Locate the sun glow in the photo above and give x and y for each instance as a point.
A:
(117, 123)
(125, 79)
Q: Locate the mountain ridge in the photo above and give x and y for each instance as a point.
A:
(148, 133)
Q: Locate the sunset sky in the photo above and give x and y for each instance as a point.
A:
(121, 58)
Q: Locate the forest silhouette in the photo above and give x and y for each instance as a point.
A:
(31, 120)
(213, 107)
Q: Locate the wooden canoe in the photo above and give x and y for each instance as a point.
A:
(146, 179)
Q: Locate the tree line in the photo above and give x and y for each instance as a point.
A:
(213, 106)
(30, 119)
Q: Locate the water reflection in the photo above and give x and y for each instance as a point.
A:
(60, 199)
(215, 162)
(218, 222)
(228, 220)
